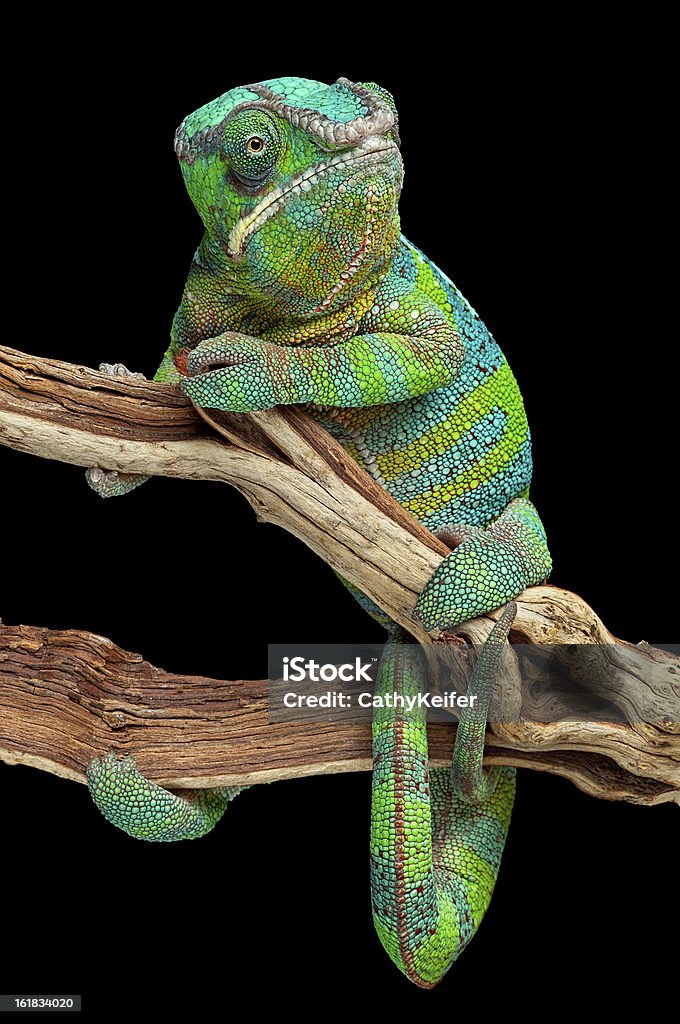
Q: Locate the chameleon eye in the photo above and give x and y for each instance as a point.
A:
(252, 142)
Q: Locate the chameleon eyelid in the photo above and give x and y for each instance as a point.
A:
(250, 180)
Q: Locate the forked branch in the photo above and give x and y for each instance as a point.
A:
(67, 696)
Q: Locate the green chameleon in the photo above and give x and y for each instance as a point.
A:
(303, 291)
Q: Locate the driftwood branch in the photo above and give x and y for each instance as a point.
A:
(66, 696)
(289, 469)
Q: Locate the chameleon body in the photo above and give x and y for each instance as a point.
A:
(303, 291)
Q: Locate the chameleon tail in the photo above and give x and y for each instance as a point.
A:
(435, 852)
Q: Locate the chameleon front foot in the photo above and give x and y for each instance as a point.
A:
(109, 483)
(145, 810)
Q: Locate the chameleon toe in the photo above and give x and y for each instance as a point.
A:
(110, 483)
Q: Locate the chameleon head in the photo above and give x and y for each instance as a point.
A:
(297, 183)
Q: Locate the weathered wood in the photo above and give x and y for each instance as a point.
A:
(67, 696)
(289, 469)
(295, 475)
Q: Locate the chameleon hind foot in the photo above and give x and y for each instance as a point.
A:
(488, 568)
(145, 810)
(110, 483)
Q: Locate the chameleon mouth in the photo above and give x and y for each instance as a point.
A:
(372, 150)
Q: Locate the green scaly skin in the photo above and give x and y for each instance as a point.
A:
(303, 291)
(436, 836)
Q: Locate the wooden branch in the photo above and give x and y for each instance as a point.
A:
(67, 696)
(289, 469)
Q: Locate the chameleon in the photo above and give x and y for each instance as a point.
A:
(303, 291)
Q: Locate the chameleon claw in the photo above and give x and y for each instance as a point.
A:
(120, 370)
(111, 483)
(211, 356)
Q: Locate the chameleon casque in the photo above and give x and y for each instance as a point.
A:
(303, 291)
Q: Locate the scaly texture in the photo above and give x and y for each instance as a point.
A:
(303, 291)
(436, 836)
(147, 811)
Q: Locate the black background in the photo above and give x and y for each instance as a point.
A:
(532, 155)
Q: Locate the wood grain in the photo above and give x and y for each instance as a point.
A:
(66, 696)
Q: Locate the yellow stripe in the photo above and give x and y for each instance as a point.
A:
(500, 456)
(445, 434)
